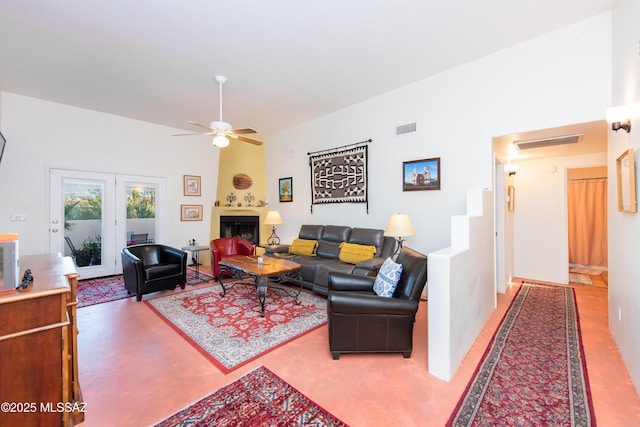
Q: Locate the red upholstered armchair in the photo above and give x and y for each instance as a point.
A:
(225, 247)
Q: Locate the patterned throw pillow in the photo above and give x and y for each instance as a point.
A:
(303, 247)
(387, 278)
(353, 254)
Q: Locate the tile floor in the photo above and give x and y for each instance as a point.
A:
(135, 370)
(588, 277)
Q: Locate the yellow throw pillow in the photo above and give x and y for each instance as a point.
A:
(303, 247)
(353, 254)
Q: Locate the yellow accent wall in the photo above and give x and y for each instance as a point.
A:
(241, 158)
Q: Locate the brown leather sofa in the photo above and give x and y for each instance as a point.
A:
(152, 267)
(315, 269)
(362, 322)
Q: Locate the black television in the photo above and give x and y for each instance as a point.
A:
(2, 144)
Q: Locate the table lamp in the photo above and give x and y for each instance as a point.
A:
(273, 218)
(399, 226)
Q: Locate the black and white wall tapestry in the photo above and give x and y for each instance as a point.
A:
(339, 176)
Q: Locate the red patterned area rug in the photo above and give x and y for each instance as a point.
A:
(260, 398)
(111, 288)
(533, 372)
(229, 330)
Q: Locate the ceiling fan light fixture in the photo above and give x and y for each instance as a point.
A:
(221, 130)
(220, 141)
(220, 125)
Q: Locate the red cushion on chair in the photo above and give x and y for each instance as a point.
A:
(225, 247)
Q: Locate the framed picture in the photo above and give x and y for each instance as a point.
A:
(419, 175)
(190, 212)
(192, 185)
(285, 189)
(2, 144)
(625, 169)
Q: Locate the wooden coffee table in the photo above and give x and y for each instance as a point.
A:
(278, 270)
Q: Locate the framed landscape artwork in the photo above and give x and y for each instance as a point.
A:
(419, 175)
(286, 189)
(192, 185)
(190, 212)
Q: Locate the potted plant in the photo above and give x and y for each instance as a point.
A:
(90, 253)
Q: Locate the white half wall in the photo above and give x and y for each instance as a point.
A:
(461, 288)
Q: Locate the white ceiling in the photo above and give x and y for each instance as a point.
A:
(287, 61)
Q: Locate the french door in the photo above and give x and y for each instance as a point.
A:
(94, 215)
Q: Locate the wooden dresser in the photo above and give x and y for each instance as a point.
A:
(38, 347)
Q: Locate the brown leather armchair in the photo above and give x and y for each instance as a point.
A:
(225, 247)
(151, 267)
(362, 322)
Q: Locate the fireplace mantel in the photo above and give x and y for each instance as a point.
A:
(218, 211)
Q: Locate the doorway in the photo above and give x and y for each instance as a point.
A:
(539, 239)
(587, 224)
(94, 215)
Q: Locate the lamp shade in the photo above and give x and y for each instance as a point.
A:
(272, 218)
(399, 225)
(620, 113)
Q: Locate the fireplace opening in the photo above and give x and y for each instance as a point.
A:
(246, 227)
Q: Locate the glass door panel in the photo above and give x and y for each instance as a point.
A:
(82, 220)
(94, 215)
(141, 213)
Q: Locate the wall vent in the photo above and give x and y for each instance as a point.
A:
(548, 142)
(403, 129)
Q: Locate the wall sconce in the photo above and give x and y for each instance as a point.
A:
(619, 117)
(273, 218)
(399, 225)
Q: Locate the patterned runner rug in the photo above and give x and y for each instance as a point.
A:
(229, 331)
(533, 372)
(260, 398)
(111, 288)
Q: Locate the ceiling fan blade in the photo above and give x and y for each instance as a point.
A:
(249, 140)
(198, 124)
(192, 134)
(243, 131)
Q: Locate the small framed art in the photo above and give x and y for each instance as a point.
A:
(192, 185)
(625, 168)
(419, 175)
(285, 189)
(190, 212)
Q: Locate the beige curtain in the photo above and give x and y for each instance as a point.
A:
(588, 222)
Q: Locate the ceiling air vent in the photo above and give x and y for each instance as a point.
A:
(547, 142)
(403, 129)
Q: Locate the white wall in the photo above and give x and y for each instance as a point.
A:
(558, 79)
(43, 134)
(541, 231)
(624, 228)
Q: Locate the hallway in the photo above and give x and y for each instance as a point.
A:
(135, 370)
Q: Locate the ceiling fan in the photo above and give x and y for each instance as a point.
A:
(222, 131)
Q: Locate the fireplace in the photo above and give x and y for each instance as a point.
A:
(246, 227)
